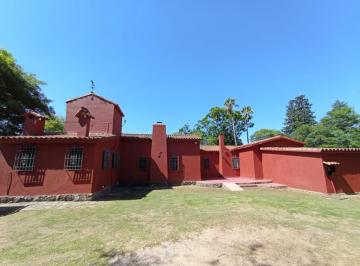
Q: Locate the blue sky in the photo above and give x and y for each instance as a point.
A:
(171, 61)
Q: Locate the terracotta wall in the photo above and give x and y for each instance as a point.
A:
(213, 171)
(104, 177)
(247, 164)
(33, 125)
(107, 119)
(188, 152)
(49, 176)
(159, 155)
(295, 169)
(347, 175)
(131, 150)
(251, 157)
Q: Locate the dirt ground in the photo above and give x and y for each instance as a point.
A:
(239, 246)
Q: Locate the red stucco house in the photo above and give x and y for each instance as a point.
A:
(94, 154)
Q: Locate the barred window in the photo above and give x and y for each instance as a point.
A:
(174, 163)
(25, 158)
(235, 163)
(206, 163)
(115, 160)
(143, 164)
(106, 159)
(73, 158)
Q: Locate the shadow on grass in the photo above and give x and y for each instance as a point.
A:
(6, 210)
(130, 193)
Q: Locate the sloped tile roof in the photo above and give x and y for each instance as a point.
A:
(99, 97)
(304, 149)
(264, 141)
(171, 136)
(56, 137)
(216, 147)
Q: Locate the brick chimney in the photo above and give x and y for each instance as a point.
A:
(34, 124)
(225, 167)
(159, 157)
(84, 118)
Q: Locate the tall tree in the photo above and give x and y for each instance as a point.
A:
(229, 105)
(341, 116)
(264, 134)
(19, 91)
(217, 122)
(247, 115)
(298, 113)
(225, 120)
(339, 128)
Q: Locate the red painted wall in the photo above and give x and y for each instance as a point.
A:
(251, 157)
(246, 163)
(159, 155)
(107, 119)
(104, 177)
(347, 176)
(189, 161)
(213, 171)
(33, 126)
(295, 169)
(49, 176)
(225, 160)
(130, 152)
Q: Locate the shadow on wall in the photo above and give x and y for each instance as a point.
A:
(81, 176)
(34, 178)
(340, 184)
(157, 177)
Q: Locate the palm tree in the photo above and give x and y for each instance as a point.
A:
(230, 104)
(247, 113)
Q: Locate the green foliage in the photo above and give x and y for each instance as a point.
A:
(339, 128)
(184, 130)
(19, 91)
(216, 122)
(247, 114)
(302, 132)
(342, 117)
(222, 120)
(298, 113)
(264, 134)
(54, 124)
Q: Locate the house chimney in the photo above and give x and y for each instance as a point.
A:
(225, 168)
(34, 124)
(84, 118)
(159, 158)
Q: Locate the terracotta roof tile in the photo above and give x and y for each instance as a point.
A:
(56, 137)
(171, 136)
(304, 149)
(264, 141)
(216, 147)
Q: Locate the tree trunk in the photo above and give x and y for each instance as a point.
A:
(247, 135)
(234, 133)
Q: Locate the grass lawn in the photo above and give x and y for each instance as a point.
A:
(286, 222)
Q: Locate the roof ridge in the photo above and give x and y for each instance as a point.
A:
(98, 96)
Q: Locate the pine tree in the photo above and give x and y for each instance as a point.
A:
(298, 113)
